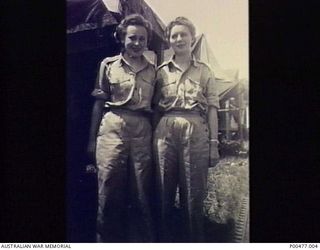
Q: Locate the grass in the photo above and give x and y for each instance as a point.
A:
(228, 183)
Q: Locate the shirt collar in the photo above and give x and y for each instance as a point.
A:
(122, 61)
(194, 61)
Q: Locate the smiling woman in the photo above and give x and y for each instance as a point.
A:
(120, 137)
(135, 40)
(185, 139)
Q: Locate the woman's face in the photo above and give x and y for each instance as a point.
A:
(135, 40)
(180, 39)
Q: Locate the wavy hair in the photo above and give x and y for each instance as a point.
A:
(180, 21)
(133, 19)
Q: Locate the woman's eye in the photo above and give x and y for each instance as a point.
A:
(132, 38)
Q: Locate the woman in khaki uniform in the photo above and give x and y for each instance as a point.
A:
(185, 139)
(120, 137)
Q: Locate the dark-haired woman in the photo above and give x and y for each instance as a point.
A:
(120, 137)
(185, 140)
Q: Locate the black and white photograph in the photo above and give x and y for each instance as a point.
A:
(158, 121)
(146, 121)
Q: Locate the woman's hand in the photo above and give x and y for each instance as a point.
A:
(214, 153)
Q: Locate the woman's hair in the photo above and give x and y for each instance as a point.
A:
(133, 19)
(180, 21)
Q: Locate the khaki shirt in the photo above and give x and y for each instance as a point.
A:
(193, 89)
(120, 86)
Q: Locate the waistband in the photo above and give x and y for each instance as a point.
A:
(183, 113)
(129, 112)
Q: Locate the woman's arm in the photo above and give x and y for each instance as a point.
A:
(213, 123)
(213, 135)
(96, 117)
(101, 93)
(155, 101)
(213, 105)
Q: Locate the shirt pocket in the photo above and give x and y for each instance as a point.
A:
(147, 86)
(169, 88)
(120, 88)
(193, 88)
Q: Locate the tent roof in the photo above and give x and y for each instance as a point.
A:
(85, 15)
(226, 79)
(203, 52)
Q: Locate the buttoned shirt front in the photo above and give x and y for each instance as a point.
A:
(192, 89)
(120, 86)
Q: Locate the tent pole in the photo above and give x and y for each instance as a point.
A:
(228, 120)
(241, 113)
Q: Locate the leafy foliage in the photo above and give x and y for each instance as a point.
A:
(228, 183)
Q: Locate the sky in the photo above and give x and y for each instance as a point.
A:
(224, 23)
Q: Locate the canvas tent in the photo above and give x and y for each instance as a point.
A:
(231, 90)
(91, 22)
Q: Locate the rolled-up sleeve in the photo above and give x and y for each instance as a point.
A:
(212, 90)
(101, 90)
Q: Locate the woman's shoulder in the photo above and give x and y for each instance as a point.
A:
(205, 68)
(202, 64)
(162, 65)
(111, 59)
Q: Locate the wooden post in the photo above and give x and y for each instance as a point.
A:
(228, 120)
(241, 112)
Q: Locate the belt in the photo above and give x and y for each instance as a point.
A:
(183, 113)
(129, 112)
